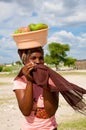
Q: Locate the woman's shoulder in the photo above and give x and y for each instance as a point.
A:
(19, 83)
(21, 79)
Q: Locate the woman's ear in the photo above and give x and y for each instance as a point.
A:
(20, 52)
(22, 56)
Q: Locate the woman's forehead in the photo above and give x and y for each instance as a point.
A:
(35, 51)
(35, 54)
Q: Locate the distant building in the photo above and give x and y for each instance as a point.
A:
(80, 64)
(8, 64)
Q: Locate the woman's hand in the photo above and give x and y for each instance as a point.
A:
(26, 71)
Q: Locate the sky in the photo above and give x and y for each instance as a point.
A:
(66, 20)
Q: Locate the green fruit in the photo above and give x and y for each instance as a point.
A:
(45, 26)
(17, 31)
(39, 26)
(32, 27)
(42, 26)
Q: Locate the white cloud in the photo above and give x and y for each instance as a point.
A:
(65, 12)
(61, 14)
(68, 37)
(77, 43)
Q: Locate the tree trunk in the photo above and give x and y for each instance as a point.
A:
(56, 66)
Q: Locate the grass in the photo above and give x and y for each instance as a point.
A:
(12, 71)
(79, 124)
(9, 74)
(71, 72)
(13, 74)
(5, 83)
(9, 71)
(6, 100)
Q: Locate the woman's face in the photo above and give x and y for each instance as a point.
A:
(36, 58)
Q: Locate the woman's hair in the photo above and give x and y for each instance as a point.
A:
(23, 53)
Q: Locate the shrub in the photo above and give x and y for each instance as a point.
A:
(7, 69)
(1, 68)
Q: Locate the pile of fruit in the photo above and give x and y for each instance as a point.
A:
(31, 27)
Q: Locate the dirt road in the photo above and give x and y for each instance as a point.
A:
(11, 117)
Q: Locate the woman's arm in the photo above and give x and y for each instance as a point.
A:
(25, 96)
(25, 99)
(50, 102)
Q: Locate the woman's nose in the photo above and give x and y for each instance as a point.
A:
(37, 61)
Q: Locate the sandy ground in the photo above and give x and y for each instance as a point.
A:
(11, 117)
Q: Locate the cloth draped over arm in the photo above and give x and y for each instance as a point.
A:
(73, 94)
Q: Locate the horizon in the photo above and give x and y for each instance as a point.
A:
(20, 61)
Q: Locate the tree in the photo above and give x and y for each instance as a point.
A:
(18, 62)
(1, 68)
(69, 61)
(57, 54)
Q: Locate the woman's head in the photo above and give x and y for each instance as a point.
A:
(35, 55)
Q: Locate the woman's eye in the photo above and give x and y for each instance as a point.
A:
(41, 58)
(33, 58)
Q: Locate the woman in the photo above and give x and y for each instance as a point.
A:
(38, 105)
